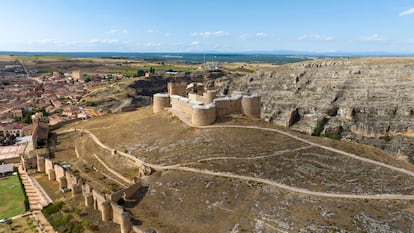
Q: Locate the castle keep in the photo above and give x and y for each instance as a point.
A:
(204, 107)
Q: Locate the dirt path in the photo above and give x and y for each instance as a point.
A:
(179, 167)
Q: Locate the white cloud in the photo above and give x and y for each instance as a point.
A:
(153, 44)
(257, 35)
(167, 34)
(195, 43)
(151, 30)
(117, 31)
(316, 37)
(407, 12)
(373, 37)
(211, 34)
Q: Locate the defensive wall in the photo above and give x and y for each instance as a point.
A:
(106, 204)
(205, 108)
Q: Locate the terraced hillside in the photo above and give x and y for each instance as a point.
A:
(368, 100)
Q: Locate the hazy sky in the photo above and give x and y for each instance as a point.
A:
(210, 25)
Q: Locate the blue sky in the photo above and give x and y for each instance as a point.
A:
(210, 25)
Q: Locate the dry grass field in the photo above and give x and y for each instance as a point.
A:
(183, 201)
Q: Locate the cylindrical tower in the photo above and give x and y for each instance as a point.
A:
(126, 225)
(203, 115)
(160, 101)
(106, 211)
(40, 164)
(210, 95)
(251, 105)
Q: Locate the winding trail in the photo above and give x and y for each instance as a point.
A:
(180, 167)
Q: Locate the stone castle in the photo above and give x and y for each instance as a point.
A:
(204, 107)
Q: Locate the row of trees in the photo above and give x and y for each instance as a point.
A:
(141, 72)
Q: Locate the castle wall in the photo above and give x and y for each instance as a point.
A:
(183, 104)
(106, 211)
(28, 163)
(251, 105)
(71, 179)
(48, 164)
(228, 105)
(117, 212)
(209, 96)
(203, 115)
(60, 171)
(176, 88)
(40, 163)
(160, 102)
(196, 97)
(129, 192)
(98, 198)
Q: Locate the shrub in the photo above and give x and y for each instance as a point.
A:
(320, 124)
(62, 220)
(52, 208)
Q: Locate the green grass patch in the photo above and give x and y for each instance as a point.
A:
(11, 197)
(52, 208)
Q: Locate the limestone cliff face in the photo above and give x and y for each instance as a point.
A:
(369, 100)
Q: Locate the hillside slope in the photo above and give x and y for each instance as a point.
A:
(368, 100)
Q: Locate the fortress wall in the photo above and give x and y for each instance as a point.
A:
(62, 182)
(209, 96)
(126, 225)
(86, 189)
(98, 198)
(48, 164)
(60, 171)
(51, 174)
(28, 163)
(183, 104)
(40, 163)
(251, 105)
(106, 211)
(71, 179)
(176, 88)
(129, 192)
(160, 102)
(117, 213)
(196, 97)
(227, 105)
(203, 115)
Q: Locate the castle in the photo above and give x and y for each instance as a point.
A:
(204, 107)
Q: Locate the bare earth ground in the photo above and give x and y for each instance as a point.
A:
(184, 201)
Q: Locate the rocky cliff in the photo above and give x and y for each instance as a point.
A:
(368, 100)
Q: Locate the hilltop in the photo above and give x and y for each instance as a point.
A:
(251, 177)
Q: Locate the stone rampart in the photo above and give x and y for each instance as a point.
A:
(183, 104)
(203, 115)
(176, 88)
(161, 101)
(48, 164)
(125, 193)
(228, 105)
(251, 105)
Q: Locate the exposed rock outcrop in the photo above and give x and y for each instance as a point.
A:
(369, 100)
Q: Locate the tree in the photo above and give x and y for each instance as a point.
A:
(140, 73)
(152, 70)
